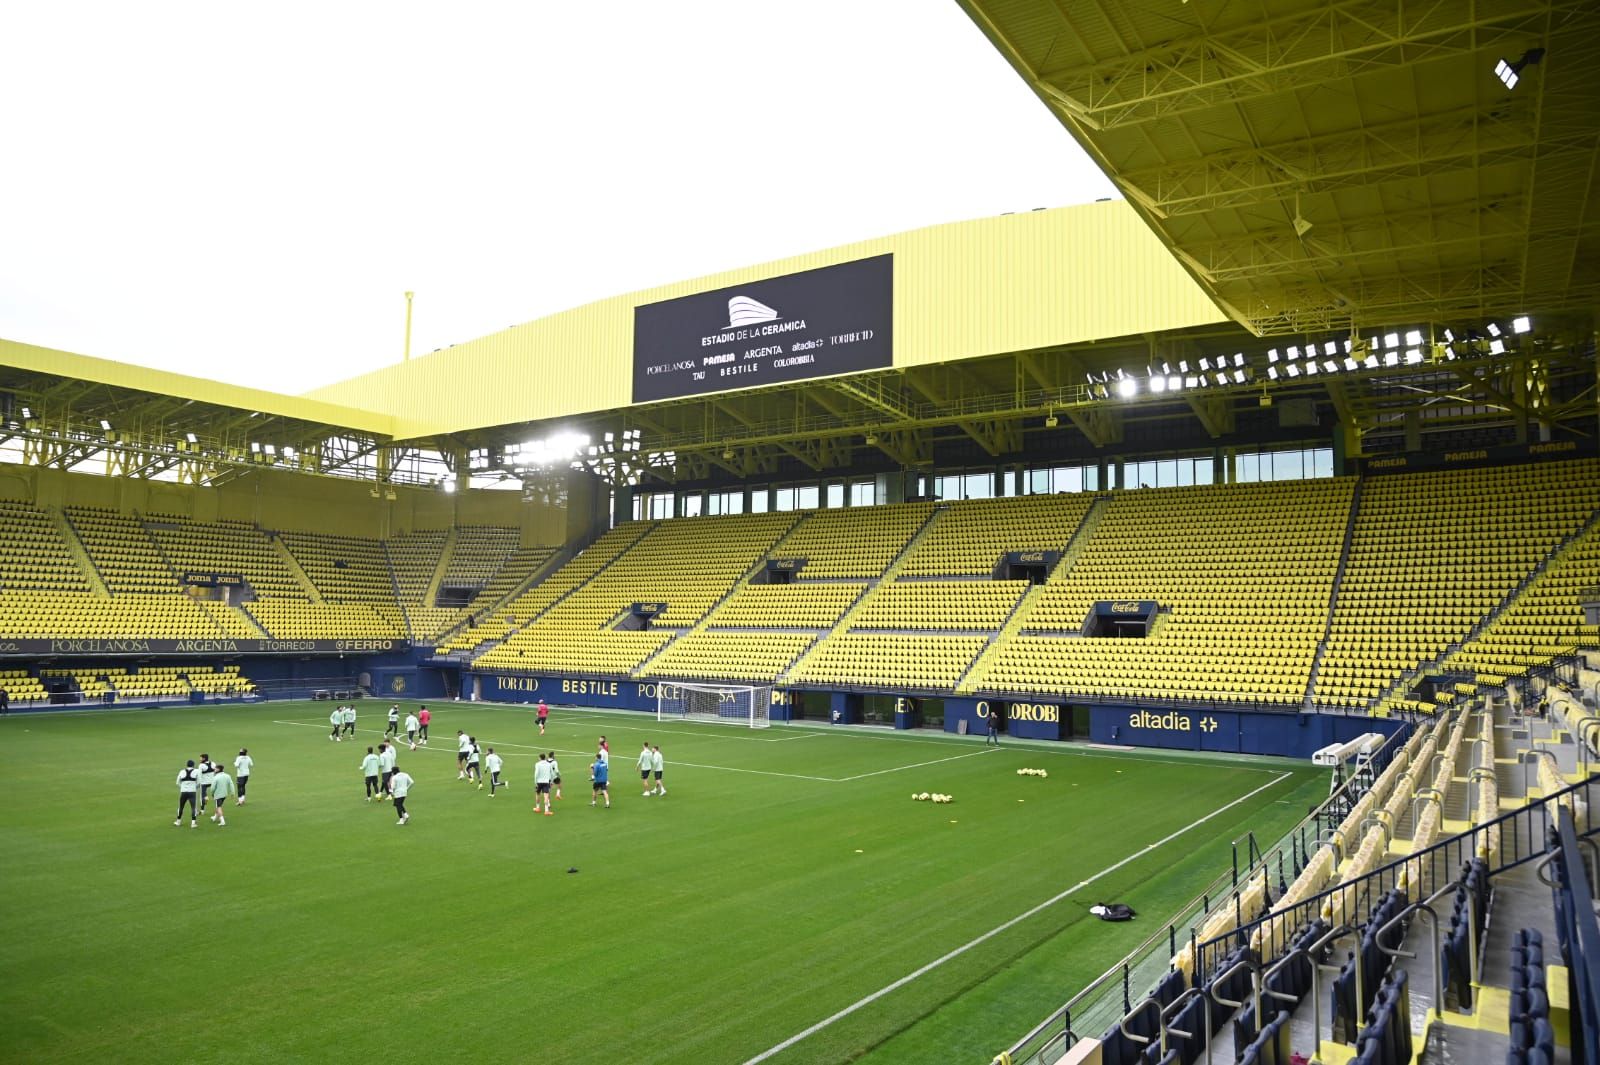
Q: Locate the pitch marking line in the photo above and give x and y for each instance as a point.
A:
(957, 952)
(917, 765)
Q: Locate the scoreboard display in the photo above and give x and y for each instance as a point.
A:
(832, 320)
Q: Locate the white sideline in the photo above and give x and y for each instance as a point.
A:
(957, 952)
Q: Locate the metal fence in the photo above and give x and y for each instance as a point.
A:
(1098, 1006)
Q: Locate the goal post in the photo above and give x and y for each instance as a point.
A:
(728, 704)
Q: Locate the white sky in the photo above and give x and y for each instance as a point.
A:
(244, 192)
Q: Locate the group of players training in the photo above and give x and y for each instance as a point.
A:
(384, 778)
(209, 782)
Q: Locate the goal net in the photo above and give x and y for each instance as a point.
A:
(731, 704)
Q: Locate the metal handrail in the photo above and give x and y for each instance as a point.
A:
(1255, 973)
(1173, 1008)
(1091, 999)
(1425, 906)
(1122, 1025)
(1314, 952)
(1391, 869)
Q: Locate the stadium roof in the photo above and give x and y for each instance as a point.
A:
(1322, 166)
(1353, 184)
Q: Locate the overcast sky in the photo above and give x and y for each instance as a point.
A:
(245, 192)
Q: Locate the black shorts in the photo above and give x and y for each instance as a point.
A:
(221, 801)
(599, 785)
(658, 774)
(544, 789)
(461, 756)
(644, 774)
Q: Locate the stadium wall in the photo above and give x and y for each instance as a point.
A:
(276, 499)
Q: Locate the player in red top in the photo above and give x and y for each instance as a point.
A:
(424, 716)
(544, 715)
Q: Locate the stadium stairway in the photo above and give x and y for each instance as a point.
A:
(290, 563)
(451, 536)
(79, 553)
(1407, 680)
(843, 624)
(1018, 619)
(1017, 624)
(1333, 594)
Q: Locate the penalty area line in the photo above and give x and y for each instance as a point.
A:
(1018, 919)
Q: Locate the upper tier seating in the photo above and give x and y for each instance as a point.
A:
(970, 536)
(1432, 554)
(225, 547)
(479, 552)
(856, 542)
(538, 598)
(1246, 610)
(344, 569)
(1544, 621)
(687, 564)
(127, 559)
(35, 556)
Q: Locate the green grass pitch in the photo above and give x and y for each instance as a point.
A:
(785, 877)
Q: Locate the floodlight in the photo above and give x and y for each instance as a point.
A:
(1222, 378)
(1166, 369)
(1191, 382)
(1332, 367)
(1497, 347)
(1272, 372)
(1183, 365)
(1391, 358)
(1413, 356)
(1521, 324)
(1510, 73)
(1371, 362)
(1293, 370)
(1349, 363)
(1238, 358)
(1238, 377)
(105, 426)
(189, 437)
(1205, 364)
(1311, 368)
(1413, 337)
(1272, 355)
(1174, 382)
(1391, 340)
(1127, 387)
(1158, 384)
(1449, 336)
(1494, 329)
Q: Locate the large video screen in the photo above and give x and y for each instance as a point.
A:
(836, 319)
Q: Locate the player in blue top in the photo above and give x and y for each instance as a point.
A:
(600, 773)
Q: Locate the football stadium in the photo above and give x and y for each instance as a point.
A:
(1271, 488)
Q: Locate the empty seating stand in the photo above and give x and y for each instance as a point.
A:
(1533, 1038)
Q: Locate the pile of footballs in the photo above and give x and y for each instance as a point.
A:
(932, 797)
(1032, 773)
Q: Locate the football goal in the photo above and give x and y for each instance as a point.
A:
(730, 704)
